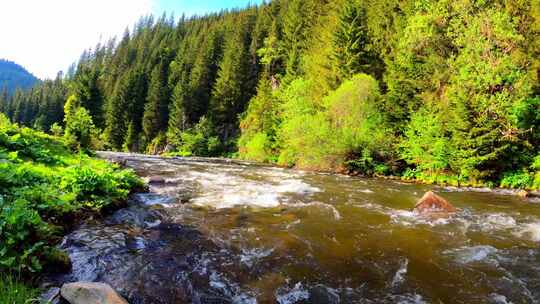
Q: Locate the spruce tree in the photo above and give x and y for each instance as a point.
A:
(116, 115)
(4, 99)
(155, 117)
(228, 96)
(125, 108)
(87, 87)
(297, 22)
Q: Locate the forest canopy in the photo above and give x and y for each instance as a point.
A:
(440, 91)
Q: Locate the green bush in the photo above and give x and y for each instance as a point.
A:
(200, 140)
(345, 130)
(258, 148)
(20, 229)
(517, 180)
(258, 124)
(426, 145)
(57, 130)
(536, 167)
(157, 144)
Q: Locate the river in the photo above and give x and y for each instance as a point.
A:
(220, 231)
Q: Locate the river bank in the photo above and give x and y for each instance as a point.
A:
(46, 191)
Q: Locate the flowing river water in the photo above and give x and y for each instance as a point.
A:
(221, 231)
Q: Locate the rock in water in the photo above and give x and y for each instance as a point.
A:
(90, 293)
(156, 180)
(51, 296)
(320, 294)
(523, 194)
(432, 203)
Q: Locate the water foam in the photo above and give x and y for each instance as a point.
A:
(222, 190)
(408, 299)
(399, 277)
(465, 220)
(297, 294)
(499, 299)
(367, 191)
(482, 253)
(532, 231)
(295, 186)
(496, 221)
(250, 256)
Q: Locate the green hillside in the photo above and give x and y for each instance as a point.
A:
(13, 76)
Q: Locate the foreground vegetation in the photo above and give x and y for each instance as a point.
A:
(45, 189)
(437, 91)
(14, 292)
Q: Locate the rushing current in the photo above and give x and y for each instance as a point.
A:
(219, 231)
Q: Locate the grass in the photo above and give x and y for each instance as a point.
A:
(12, 291)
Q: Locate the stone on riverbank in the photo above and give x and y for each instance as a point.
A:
(90, 293)
(431, 203)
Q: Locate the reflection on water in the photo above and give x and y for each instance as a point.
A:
(234, 232)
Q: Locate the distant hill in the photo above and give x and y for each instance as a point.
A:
(15, 76)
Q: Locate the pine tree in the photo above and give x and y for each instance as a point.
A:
(125, 108)
(88, 90)
(131, 142)
(116, 115)
(297, 23)
(228, 97)
(155, 117)
(4, 100)
(178, 120)
(352, 47)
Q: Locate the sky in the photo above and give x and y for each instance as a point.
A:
(47, 36)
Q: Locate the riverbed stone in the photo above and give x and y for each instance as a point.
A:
(321, 294)
(431, 203)
(523, 194)
(90, 293)
(51, 296)
(156, 180)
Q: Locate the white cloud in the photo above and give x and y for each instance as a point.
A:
(46, 36)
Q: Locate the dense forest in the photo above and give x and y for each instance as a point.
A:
(438, 91)
(13, 77)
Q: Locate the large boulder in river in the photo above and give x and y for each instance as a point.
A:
(90, 293)
(431, 203)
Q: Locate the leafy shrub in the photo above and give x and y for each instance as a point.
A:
(97, 190)
(200, 140)
(425, 144)
(258, 148)
(310, 143)
(536, 167)
(80, 131)
(20, 227)
(41, 186)
(517, 180)
(26, 143)
(259, 124)
(346, 129)
(57, 130)
(157, 144)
